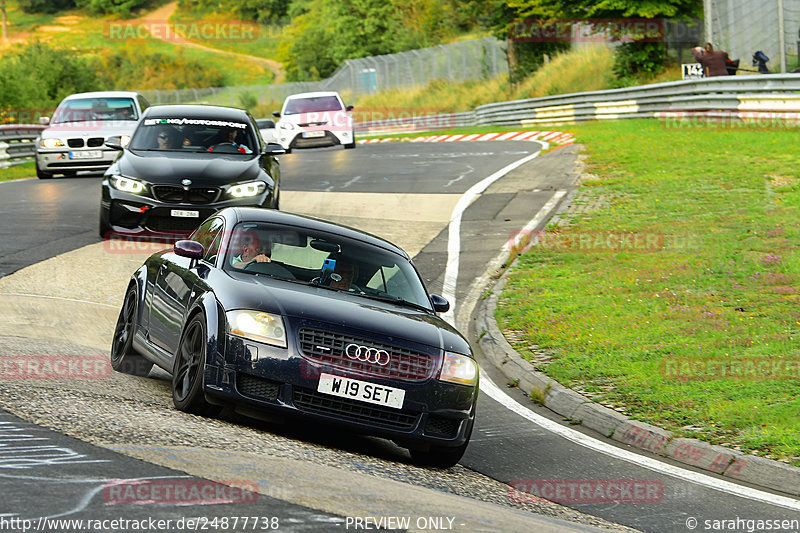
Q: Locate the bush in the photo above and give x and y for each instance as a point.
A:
(45, 6)
(111, 7)
(632, 60)
(140, 68)
(39, 76)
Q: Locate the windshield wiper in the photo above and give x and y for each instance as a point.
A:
(392, 299)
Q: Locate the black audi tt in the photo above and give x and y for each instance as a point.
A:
(275, 312)
(183, 163)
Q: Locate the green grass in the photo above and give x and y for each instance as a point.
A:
(23, 170)
(718, 281)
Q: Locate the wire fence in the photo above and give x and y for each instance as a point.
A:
(460, 61)
(743, 27)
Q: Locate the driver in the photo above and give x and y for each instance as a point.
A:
(252, 251)
(229, 136)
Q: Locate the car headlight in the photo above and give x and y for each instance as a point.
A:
(257, 326)
(286, 126)
(121, 183)
(124, 140)
(244, 190)
(52, 143)
(457, 368)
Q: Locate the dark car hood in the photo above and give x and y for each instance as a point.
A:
(386, 319)
(203, 169)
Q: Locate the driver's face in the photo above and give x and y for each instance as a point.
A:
(231, 135)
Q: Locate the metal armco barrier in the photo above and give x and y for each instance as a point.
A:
(773, 96)
(18, 143)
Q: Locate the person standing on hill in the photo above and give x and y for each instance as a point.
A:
(714, 62)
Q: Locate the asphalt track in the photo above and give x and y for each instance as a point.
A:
(44, 219)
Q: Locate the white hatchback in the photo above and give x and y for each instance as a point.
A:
(310, 120)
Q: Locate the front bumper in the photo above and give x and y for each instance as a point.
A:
(295, 139)
(282, 381)
(135, 214)
(69, 160)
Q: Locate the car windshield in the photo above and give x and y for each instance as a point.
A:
(95, 109)
(324, 259)
(192, 134)
(316, 104)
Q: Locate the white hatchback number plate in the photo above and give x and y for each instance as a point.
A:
(362, 391)
(87, 154)
(313, 134)
(185, 214)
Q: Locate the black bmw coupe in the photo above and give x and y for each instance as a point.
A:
(291, 315)
(184, 163)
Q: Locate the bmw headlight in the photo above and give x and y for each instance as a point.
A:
(257, 326)
(245, 190)
(457, 368)
(121, 183)
(52, 143)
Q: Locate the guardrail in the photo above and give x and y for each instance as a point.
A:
(738, 97)
(18, 143)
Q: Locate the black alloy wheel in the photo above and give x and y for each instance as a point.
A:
(187, 375)
(123, 357)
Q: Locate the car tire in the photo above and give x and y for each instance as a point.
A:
(69, 173)
(288, 151)
(41, 174)
(187, 374)
(350, 146)
(440, 456)
(104, 227)
(123, 357)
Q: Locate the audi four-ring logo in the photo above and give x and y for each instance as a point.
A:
(367, 354)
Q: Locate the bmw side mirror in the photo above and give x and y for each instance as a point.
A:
(440, 303)
(273, 149)
(114, 142)
(276, 114)
(190, 249)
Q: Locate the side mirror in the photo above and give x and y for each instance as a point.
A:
(114, 142)
(44, 121)
(273, 149)
(440, 303)
(276, 114)
(190, 249)
(348, 108)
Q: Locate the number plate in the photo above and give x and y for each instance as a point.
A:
(313, 134)
(86, 154)
(362, 391)
(185, 214)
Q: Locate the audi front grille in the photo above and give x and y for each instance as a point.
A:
(331, 349)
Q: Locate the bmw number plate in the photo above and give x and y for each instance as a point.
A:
(185, 214)
(313, 134)
(86, 154)
(362, 391)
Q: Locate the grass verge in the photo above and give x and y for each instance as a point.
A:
(23, 170)
(672, 290)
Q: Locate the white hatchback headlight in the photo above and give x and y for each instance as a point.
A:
(244, 190)
(257, 326)
(286, 126)
(121, 183)
(457, 368)
(52, 143)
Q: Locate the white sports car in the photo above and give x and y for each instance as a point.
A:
(310, 120)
